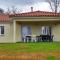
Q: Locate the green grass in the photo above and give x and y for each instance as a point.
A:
(52, 58)
(30, 47)
(13, 48)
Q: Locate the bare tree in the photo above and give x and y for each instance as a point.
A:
(1, 11)
(8, 11)
(54, 5)
(14, 10)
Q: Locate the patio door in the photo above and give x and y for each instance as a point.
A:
(26, 30)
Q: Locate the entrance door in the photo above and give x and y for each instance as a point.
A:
(26, 30)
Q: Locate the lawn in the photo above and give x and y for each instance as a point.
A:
(30, 47)
(50, 50)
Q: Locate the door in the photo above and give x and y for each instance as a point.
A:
(26, 30)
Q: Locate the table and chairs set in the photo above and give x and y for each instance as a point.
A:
(41, 38)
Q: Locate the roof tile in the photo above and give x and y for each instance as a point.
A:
(37, 13)
(4, 18)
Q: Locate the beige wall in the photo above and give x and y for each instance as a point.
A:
(35, 26)
(8, 33)
(56, 32)
(18, 32)
(36, 30)
(40, 18)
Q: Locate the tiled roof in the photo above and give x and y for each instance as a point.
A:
(4, 18)
(36, 13)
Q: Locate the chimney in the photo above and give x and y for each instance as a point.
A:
(31, 9)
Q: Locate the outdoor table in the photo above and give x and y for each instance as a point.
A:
(31, 38)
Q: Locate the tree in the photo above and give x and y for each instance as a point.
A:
(1, 11)
(8, 11)
(54, 5)
(14, 10)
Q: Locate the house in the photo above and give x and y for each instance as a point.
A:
(29, 26)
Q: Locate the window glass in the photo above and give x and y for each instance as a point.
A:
(1, 30)
(46, 30)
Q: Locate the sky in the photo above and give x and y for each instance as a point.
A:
(25, 5)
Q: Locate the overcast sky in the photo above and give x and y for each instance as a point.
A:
(24, 5)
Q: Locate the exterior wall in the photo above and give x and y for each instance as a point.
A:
(8, 33)
(40, 18)
(36, 26)
(18, 32)
(36, 30)
(56, 32)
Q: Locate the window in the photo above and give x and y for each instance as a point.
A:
(26, 30)
(29, 30)
(1, 30)
(46, 30)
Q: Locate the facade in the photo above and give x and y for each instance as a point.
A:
(26, 27)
